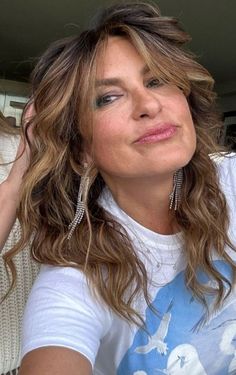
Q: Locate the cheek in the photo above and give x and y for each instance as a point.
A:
(191, 126)
(106, 137)
(182, 110)
(104, 134)
(185, 115)
(190, 129)
(107, 129)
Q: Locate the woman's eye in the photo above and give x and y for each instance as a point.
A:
(104, 100)
(154, 82)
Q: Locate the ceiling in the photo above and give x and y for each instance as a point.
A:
(28, 26)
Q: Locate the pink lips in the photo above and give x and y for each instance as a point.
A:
(159, 133)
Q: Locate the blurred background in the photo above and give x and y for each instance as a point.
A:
(27, 27)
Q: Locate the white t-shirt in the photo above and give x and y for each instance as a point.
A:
(62, 312)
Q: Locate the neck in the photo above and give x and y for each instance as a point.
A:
(147, 202)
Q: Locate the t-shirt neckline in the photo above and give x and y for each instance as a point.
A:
(136, 231)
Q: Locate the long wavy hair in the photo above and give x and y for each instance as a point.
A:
(63, 91)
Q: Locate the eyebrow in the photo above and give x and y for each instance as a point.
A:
(108, 82)
(117, 81)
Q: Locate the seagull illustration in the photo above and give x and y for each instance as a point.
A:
(227, 340)
(154, 372)
(227, 345)
(232, 366)
(157, 340)
(184, 360)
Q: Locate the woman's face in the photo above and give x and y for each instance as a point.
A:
(142, 127)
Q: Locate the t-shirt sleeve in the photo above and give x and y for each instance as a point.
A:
(61, 311)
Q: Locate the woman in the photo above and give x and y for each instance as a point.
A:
(130, 217)
(11, 308)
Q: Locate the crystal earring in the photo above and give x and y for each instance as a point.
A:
(175, 195)
(80, 207)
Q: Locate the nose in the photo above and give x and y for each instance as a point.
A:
(145, 104)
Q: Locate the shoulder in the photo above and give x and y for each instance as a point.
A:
(224, 160)
(65, 279)
(68, 283)
(62, 311)
(225, 156)
(226, 166)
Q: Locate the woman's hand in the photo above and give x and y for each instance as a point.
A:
(10, 188)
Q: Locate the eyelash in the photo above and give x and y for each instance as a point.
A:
(158, 83)
(107, 99)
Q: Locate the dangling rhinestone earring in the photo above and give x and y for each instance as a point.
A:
(80, 207)
(175, 195)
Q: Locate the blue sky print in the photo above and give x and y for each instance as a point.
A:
(179, 343)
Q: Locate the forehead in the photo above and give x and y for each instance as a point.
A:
(117, 56)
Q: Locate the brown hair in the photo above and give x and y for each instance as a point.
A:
(63, 84)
